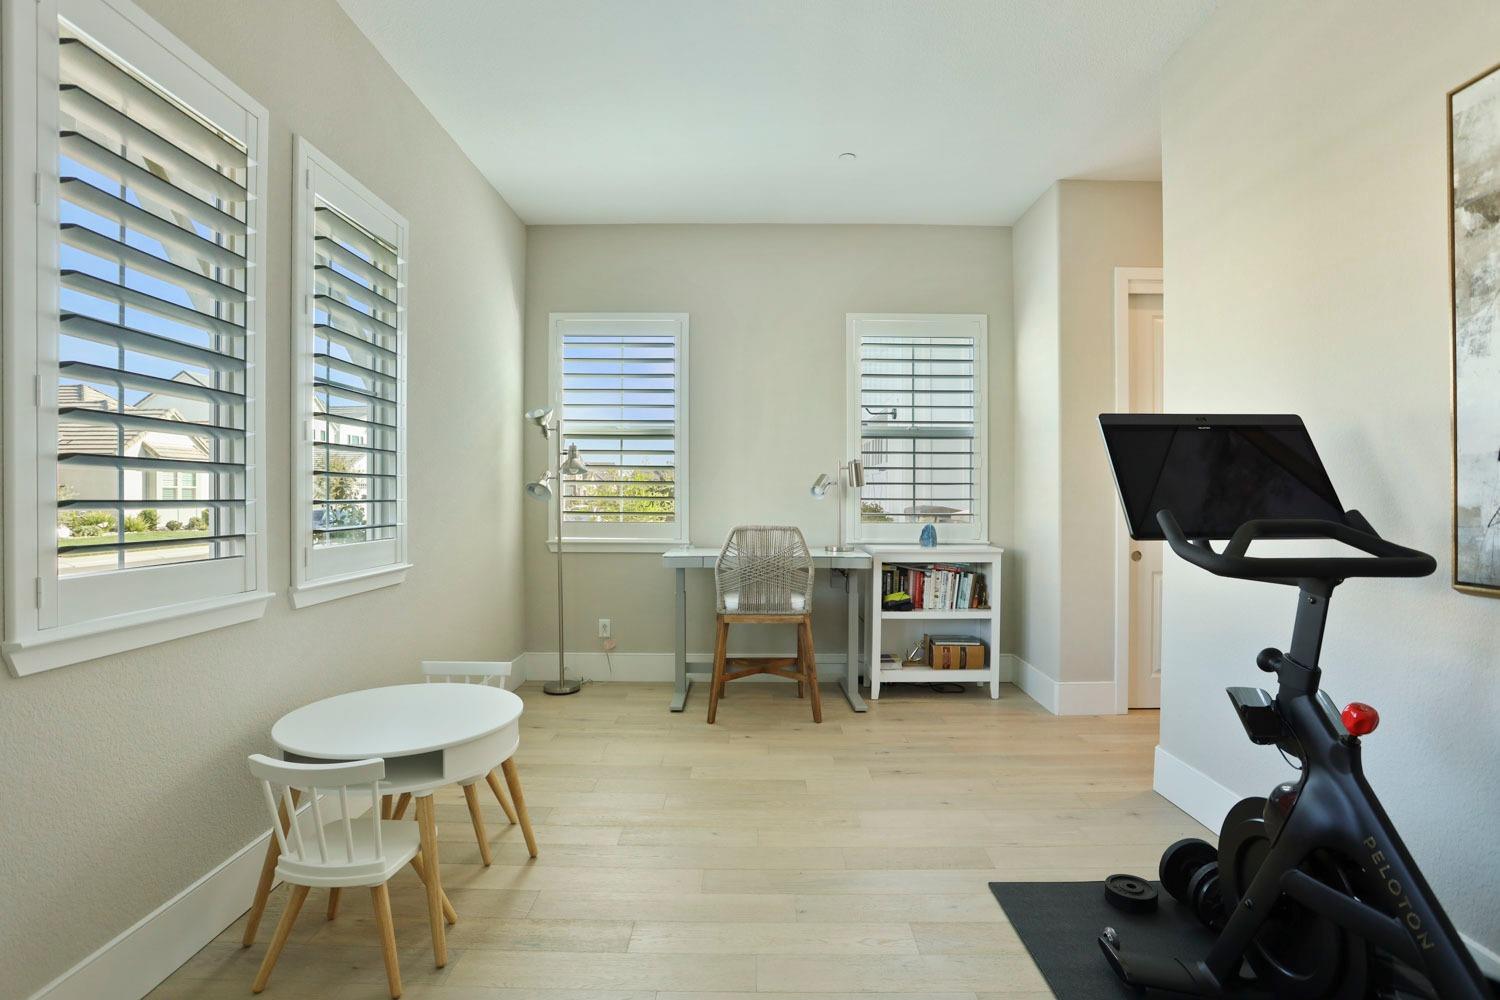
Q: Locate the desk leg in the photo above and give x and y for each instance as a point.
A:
(267, 876)
(850, 682)
(679, 632)
(427, 824)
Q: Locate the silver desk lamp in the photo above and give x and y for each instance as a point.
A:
(851, 472)
(549, 484)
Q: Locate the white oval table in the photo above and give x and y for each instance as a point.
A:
(430, 735)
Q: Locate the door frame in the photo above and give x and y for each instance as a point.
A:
(1128, 281)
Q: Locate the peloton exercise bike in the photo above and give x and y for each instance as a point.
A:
(1311, 890)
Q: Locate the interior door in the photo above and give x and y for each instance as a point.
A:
(1145, 557)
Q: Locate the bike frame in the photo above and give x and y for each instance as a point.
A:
(1336, 811)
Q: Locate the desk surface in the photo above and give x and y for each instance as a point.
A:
(397, 721)
(704, 556)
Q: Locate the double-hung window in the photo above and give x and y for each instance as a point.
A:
(620, 385)
(916, 421)
(134, 298)
(350, 375)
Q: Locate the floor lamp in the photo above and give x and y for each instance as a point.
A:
(549, 484)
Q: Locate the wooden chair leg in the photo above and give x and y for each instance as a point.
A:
(449, 914)
(716, 685)
(471, 796)
(494, 782)
(267, 876)
(385, 807)
(380, 897)
(401, 804)
(333, 902)
(278, 940)
(810, 667)
(513, 780)
(427, 823)
(801, 663)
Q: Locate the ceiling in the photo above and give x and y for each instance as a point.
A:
(959, 111)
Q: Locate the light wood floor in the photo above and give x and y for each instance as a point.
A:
(763, 856)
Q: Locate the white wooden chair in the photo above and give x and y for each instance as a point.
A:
(343, 852)
(493, 673)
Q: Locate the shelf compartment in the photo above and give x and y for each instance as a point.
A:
(927, 675)
(940, 614)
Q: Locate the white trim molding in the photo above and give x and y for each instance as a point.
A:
(614, 536)
(947, 325)
(358, 225)
(1064, 697)
(1128, 281)
(656, 668)
(137, 959)
(1192, 791)
(53, 619)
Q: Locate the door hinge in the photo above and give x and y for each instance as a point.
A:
(36, 390)
(306, 555)
(38, 593)
(36, 189)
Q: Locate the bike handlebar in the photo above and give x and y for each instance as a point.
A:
(1387, 558)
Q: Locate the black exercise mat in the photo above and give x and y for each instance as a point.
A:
(1059, 923)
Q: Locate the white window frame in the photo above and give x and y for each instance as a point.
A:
(976, 325)
(51, 622)
(588, 537)
(331, 572)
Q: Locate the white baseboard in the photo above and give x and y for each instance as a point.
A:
(592, 665)
(136, 961)
(1064, 697)
(1192, 791)
(1487, 959)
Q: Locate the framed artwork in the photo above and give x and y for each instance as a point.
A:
(1474, 256)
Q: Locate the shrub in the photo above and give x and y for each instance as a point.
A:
(87, 523)
(136, 523)
(174, 525)
(150, 518)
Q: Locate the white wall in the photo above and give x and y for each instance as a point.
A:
(124, 779)
(1038, 415)
(1307, 272)
(766, 306)
(1067, 247)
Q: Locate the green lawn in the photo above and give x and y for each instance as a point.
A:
(132, 536)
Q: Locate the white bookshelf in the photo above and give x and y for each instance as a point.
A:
(895, 631)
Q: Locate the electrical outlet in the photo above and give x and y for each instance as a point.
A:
(604, 628)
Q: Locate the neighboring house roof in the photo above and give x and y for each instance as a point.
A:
(97, 439)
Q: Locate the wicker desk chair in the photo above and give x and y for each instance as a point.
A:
(764, 575)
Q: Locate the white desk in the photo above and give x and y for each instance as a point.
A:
(704, 557)
(430, 735)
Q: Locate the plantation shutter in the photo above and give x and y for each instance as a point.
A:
(356, 382)
(621, 397)
(153, 380)
(917, 429)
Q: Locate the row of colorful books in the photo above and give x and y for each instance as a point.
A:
(936, 587)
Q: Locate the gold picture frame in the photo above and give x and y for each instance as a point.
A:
(1473, 129)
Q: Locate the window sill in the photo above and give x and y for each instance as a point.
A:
(619, 546)
(308, 593)
(71, 644)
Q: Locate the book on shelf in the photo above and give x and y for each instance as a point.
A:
(933, 587)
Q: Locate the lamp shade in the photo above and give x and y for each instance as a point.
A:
(573, 464)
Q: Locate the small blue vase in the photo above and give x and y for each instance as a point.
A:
(929, 537)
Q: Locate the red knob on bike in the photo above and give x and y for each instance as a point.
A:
(1360, 719)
